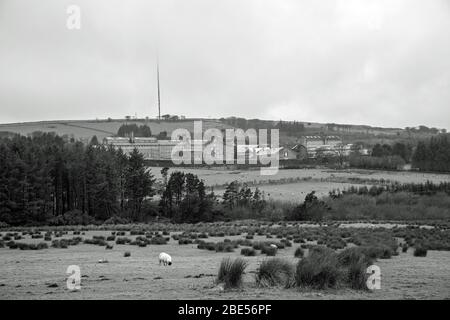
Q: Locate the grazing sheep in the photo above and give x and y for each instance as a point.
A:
(165, 259)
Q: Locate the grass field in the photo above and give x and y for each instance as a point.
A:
(42, 274)
(294, 184)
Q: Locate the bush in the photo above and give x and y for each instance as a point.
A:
(158, 240)
(319, 270)
(184, 241)
(116, 220)
(230, 272)
(60, 244)
(249, 252)
(100, 241)
(224, 247)
(420, 251)
(127, 254)
(299, 253)
(268, 250)
(275, 272)
(123, 240)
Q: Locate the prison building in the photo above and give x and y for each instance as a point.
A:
(151, 148)
(310, 145)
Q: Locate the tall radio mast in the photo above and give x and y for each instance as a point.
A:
(159, 97)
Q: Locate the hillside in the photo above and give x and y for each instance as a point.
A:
(84, 130)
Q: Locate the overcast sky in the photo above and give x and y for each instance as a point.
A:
(376, 62)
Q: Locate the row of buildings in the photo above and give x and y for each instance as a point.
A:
(307, 147)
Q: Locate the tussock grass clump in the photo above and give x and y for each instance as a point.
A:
(211, 246)
(355, 275)
(355, 264)
(299, 253)
(185, 241)
(159, 240)
(123, 240)
(249, 252)
(420, 251)
(319, 270)
(275, 272)
(269, 251)
(100, 241)
(353, 255)
(231, 272)
(225, 247)
(60, 244)
(12, 244)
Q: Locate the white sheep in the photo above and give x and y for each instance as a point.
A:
(165, 259)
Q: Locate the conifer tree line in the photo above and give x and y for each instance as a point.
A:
(431, 154)
(44, 178)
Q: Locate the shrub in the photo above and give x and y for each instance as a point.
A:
(127, 254)
(405, 248)
(275, 272)
(230, 272)
(319, 270)
(100, 241)
(60, 244)
(12, 245)
(224, 247)
(268, 250)
(299, 253)
(184, 241)
(158, 240)
(420, 251)
(123, 240)
(109, 247)
(249, 252)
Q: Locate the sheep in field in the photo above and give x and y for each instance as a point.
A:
(165, 259)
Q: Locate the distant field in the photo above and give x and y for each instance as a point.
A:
(294, 184)
(87, 129)
(31, 274)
